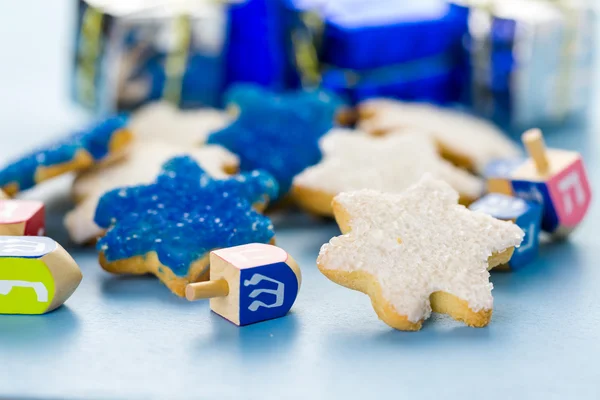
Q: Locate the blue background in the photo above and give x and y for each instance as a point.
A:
(130, 338)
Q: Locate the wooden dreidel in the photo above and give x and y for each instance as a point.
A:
(36, 275)
(21, 218)
(249, 283)
(526, 214)
(558, 179)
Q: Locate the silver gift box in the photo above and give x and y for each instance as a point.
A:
(128, 53)
(530, 61)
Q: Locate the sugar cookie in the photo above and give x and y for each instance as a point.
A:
(353, 161)
(3, 195)
(163, 121)
(77, 152)
(418, 252)
(465, 140)
(168, 228)
(277, 133)
(141, 165)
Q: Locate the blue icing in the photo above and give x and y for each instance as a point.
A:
(184, 215)
(277, 132)
(95, 140)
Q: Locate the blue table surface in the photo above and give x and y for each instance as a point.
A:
(129, 337)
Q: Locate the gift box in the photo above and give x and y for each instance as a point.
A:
(530, 61)
(130, 53)
(377, 48)
(255, 50)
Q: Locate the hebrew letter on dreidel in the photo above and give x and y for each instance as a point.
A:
(571, 184)
(39, 288)
(255, 280)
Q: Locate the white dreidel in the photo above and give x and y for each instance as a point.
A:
(249, 283)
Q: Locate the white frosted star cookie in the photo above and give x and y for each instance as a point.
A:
(418, 252)
(142, 164)
(163, 121)
(354, 161)
(465, 140)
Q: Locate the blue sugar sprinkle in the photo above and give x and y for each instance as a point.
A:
(278, 133)
(95, 140)
(184, 215)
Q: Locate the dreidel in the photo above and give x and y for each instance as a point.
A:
(526, 214)
(553, 177)
(36, 275)
(249, 283)
(22, 218)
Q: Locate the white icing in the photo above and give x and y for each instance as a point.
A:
(460, 133)
(162, 121)
(353, 161)
(444, 246)
(142, 165)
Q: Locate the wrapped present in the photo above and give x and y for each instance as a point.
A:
(255, 50)
(530, 61)
(130, 53)
(377, 48)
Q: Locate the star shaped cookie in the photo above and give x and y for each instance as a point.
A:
(163, 121)
(353, 161)
(141, 165)
(168, 228)
(416, 252)
(465, 140)
(277, 133)
(76, 152)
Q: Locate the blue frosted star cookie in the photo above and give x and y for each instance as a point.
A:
(79, 151)
(278, 133)
(168, 228)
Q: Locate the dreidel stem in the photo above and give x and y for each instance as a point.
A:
(206, 290)
(534, 142)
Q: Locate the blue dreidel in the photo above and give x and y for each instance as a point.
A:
(249, 283)
(36, 275)
(526, 214)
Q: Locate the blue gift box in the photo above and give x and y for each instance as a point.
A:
(255, 50)
(378, 48)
